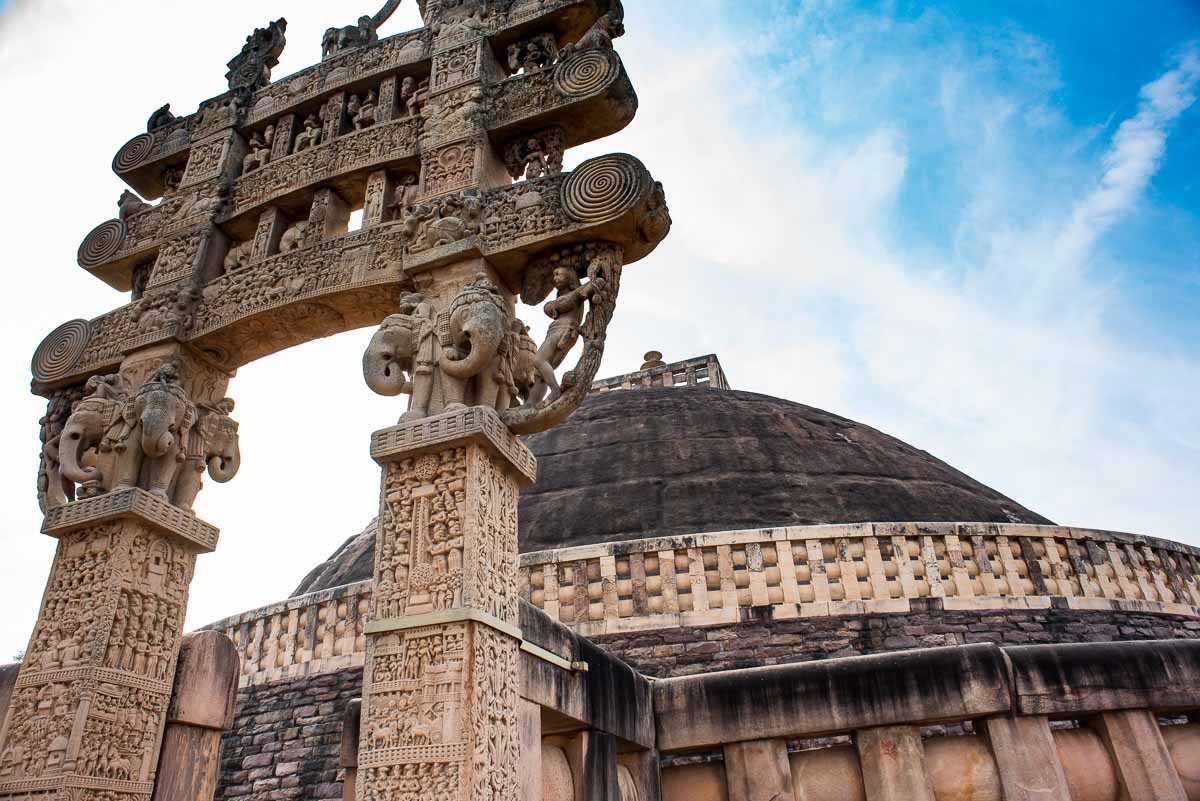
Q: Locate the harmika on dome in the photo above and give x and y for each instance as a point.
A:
(645, 588)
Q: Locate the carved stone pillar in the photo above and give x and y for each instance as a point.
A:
(90, 705)
(271, 225)
(386, 110)
(88, 711)
(440, 714)
(379, 193)
(330, 215)
(285, 131)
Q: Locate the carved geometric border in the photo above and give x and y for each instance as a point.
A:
(446, 752)
(137, 503)
(411, 439)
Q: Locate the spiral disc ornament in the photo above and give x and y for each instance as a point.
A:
(136, 151)
(586, 73)
(102, 243)
(58, 352)
(603, 188)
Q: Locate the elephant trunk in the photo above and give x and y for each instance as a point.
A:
(157, 439)
(485, 331)
(384, 376)
(70, 445)
(224, 466)
(382, 369)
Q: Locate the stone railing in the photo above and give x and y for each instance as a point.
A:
(817, 571)
(317, 633)
(722, 578)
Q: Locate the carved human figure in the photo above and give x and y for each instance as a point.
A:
(536, 165)
(363, 112)
(404, 197)
(476, 364)
(413, 95)
(260, 150)
(153, 440)
(310, 136)
(403, 355)
(566, 311)
(214, 447)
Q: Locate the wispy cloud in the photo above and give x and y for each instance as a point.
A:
(1134, 157)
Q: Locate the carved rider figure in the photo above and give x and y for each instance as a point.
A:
(260, 150)
(310, 136)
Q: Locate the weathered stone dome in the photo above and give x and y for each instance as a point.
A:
(666, 462)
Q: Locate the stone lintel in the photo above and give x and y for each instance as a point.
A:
(195, 534)
(477, 424)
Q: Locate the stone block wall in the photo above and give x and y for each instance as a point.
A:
(285, 740)
(683, 652)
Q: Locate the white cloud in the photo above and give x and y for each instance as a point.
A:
(996, 357)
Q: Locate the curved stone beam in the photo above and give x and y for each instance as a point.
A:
(358, 151)
(589, 95)
(349, 282)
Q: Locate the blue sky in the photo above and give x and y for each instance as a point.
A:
(1071, 71)
(971, 225)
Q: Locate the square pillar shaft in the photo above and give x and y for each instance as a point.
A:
(1027, 758)
(1143, 763)
(441, 689)
(893, 764)
(90, 705)
(758, 771)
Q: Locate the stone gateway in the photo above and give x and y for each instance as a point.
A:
(643, 588)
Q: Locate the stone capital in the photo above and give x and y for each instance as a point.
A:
(475, 425)
(156, 513)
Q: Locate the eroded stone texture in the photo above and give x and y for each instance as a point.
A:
(681, 652)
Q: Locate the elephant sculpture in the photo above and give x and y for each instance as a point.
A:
(84, 449)
(402, 356)
(214, 447)
(154, 438)
(477, 359)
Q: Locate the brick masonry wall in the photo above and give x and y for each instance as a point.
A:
(683, 652)
(286, 738)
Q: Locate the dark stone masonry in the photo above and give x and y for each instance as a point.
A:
(285, 740)
(685, 651)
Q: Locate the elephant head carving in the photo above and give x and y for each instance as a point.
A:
(157, 424)
(84, 448)
(403, 354)
(477, 360)
(213, 446)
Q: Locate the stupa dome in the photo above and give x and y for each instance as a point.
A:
(660, 462)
